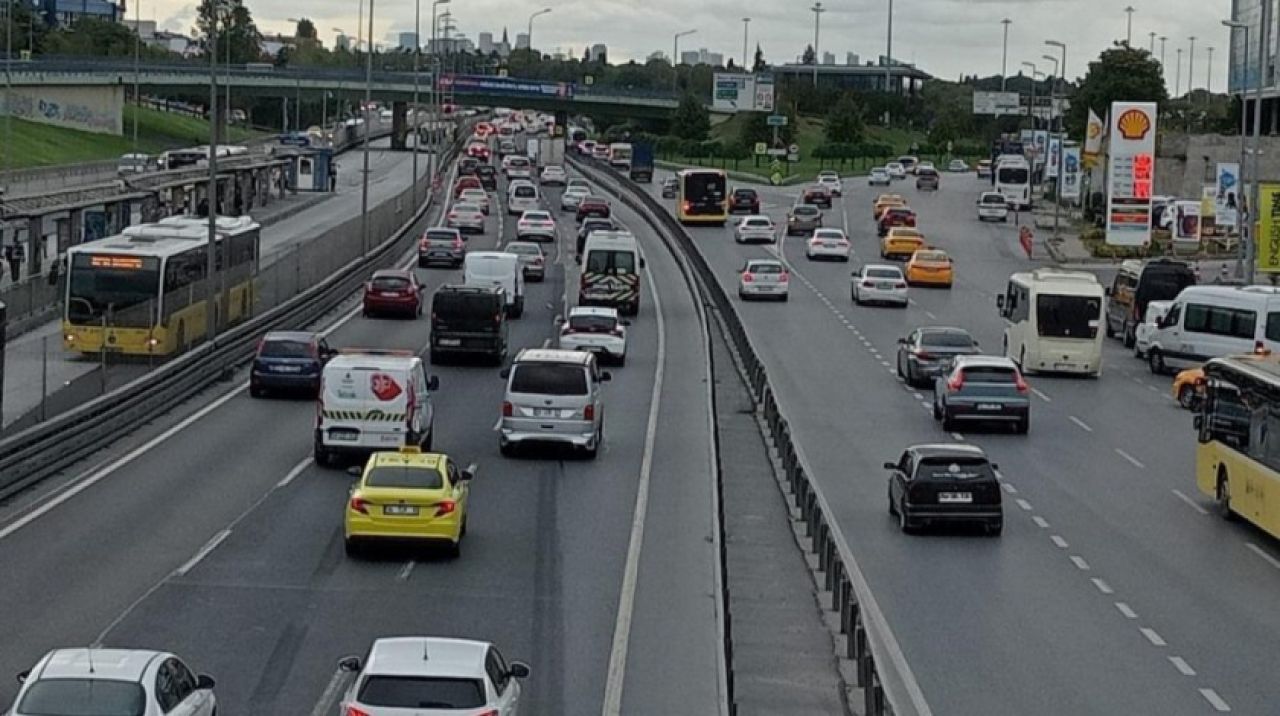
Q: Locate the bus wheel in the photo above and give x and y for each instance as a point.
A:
(1224, 496)
(1187, 397)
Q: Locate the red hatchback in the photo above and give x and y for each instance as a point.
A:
(478, 151)
(393, 291)
(897, 216)
(593, 206)
(464, 183)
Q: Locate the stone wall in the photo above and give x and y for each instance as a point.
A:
(97, 109)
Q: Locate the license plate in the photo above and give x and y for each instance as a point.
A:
(955, 498)
(545, 413)
(884, 286)
(389, 294)
(288, 369)
(400, 510)
(345, 436)
(450, 341)
(1064, 366)
(988, 406)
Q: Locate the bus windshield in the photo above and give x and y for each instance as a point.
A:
(128, 286)
(1013, 175)
(1068, 316)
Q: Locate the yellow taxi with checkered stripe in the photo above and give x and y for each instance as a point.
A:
(408, 496)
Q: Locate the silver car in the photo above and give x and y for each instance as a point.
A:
(763, 278)
(466, 217)
(532, 260)
(879, 177)
(553, 396)
(879, 283)
(756, 227)
(441, 245)
(573, 194)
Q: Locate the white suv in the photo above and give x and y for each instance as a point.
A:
(408, 674)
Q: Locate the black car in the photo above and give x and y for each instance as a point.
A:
(289, 361)
(929, 352)
(594, 223)
(468, 320)
(468, 166)
(488, 176)
(670, 187)
(746, 200)
(946, 483)
(982, 389)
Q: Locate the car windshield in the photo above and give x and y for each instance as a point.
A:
(1067, 316)
(439, 235)
(403, 476)
(765, 223)
(805, 211)
(421, 692)
(606, 261)
(519, 162)
(907, 234)
(878, 170)
(954, 468)
(390, 283)
(931, 257)
(946, 339)
(765, 268)
(466, 209)
(592, 323)
(537, 216)
(83, 697)
(285, 348)
(744, 194)
(884, 273)
(829, 234)
(993, 199)
(549, 379)
(524, 249)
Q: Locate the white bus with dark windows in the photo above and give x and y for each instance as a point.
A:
(1053, 321)
(1013, 180)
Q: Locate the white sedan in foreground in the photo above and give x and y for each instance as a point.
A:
(828, 244)
(537, 225)
(756, 227)
(763, 278)
(422, 675)
(112, 681)
(553, 174)
(596, 329)
(880, 283)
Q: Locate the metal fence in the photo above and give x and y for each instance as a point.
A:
(888, 685)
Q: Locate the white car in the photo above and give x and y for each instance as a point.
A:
(828, 244)
(763, 278)
(578, 182)
(113, 681)
(924, 165)
(553, 174)
(880, 283)
(1143, 332)
(992, 205)
(479, 197)
(465, 217)
(756, 227)
(572, 195)
(432, 675)
(596, 329)
(518, 167)
(879, 176)
(896, 170)
(537, 224)
(831, 181)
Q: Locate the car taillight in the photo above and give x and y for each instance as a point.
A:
(457, 243)
(453, 215)
(507, 410)
(784, 277)
(956, 382)
(1021, 384)
(261, 341)
(900, 284)
(589, 412)
(537, 261)
(445, 507)
(748, 278)
(353, 711)
(924, 355)
(567, 330)
(688, 205)
(868, 284)
(359, 504)
(497, 317)
(1259, 347)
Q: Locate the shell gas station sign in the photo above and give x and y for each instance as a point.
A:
(1131, 173)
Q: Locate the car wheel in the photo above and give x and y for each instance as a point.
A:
(1187, 397)
(948, 422)
(352, 547)
(1156, 362)
(506, 449)
(1107, 329)
(901, 373)
(1022, 362)
(1130, 335)
(937, 410)
(422, 263)
(621, 360)
(430, 440)
(454, 550)
(904, 521)
(893, 507)
(995, 527)
(1023, 425)
(323, 457)
(255, 391)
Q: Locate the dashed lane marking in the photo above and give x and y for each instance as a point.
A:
(1102, 586)
(298, 469)
(957, 437)
(1182, 666)
(204, 551)
(1024, 504)
(1059, 541)
(1126, 610)
(1080, 423)
(1152, 636)
(406, 570)
(1079, 562)
(1132, 460)
(1040, 394)
(1215, 700)
(1009, 488)
(1041, 522)
(1190, 502)
(1263, 554)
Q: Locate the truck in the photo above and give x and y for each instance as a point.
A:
(641, 162)
(550, 152)
(620, 155)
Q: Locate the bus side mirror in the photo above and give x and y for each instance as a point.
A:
(1000, 302)
(1199, 422)
(1107, 291)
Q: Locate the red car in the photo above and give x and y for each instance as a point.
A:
(593, 206)
(466, 182)
(744, 200)
(393, 291)
(478, 151)
(817, 195)
(897, 216)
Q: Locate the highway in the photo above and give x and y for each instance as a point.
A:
(1113, 590)
(211, 533)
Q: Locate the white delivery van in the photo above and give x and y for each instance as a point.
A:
(522, 195)
(373, 400)
(611, 264)
(1211, 321)
(497, 268)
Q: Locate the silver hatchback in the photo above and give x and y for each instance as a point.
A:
(553, 397)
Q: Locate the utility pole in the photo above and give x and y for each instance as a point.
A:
(1152, 49)
(212, 276)
(1264, 40)
(1177, 77)
(1162, 40)
(817, 11)
(137, 51)
(364, 179)
(1191, 67)
(1244, 126)
(1004, 55)
(417, 65)
(746, 24)
(1057, 184)
(888, 60)
(1128, 35)
(1208, 73)
(1031, 109)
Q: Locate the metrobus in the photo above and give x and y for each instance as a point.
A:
(703, 197)
(142, 292)
(198, 156)
(1053, 321)
(1237, 459)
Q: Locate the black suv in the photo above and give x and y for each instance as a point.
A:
(744, 200)
(468, 165)
(488, 176)
(468, 320)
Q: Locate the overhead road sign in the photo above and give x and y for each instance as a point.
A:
(997, 103)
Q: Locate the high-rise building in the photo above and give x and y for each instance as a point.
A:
(599, 53)
(656, 55)
(851, 58)
(522, 41)
(828, 58)
(689, 57)
(342, 42)
(407, 40)
(485, 42)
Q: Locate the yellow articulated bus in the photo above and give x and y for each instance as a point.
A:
(1238, 457)
(142, 292)
(703, 197)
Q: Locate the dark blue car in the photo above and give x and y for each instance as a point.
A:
(289, 361)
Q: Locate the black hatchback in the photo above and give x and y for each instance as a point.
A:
(744, 200)
(945, 483)
(488, 176)
(289, 361)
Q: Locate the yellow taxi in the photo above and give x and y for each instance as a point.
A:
(930, 267)
(901, 242)
(1188, 388)
(886, 201)
(408, 496)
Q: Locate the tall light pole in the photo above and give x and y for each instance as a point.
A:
(1053, 90)
(1152, 49)
(435, 80)
(817, 11)
(1208, 72)
(137, 53)
(1162, 41)
(529, 34)
(1264, 39)
(746, 24)
(8, 92)
(1128, 35)
(368, 100)
(1177, 76)
(1057, 186)
(675, 59)
(211, 294)
(1004, 54)
(888, 59)
(1031, 109)
(1191, 66)
(417, 67)
(1244, 124)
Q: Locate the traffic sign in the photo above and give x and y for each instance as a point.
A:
(588, 80)
(793, 149)
(777, 152)
(776, 178)
(777, 120)
(762, 148)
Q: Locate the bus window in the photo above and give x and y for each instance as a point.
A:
(123, 285)
(1067, 316)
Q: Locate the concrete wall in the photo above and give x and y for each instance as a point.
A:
(89, 108)
(1186, 163)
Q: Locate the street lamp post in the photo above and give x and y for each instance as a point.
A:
(529, 34)
(417, 66)
(817, 11)
(1177, 76)
(364, 179)
(1208, 72)
(1004, 54)
(212, 294)
(1031, 109)
(1128, 35)
(435, 80)
(1152, 49)
(746, 24)
(137, 53)
(1162, 41)
(1057, 187)
(1053, 90)
(1191, 67)
(8, 92)
(1244, 125)
(675, 59)
(888, 59)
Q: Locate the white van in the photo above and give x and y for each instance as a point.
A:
(1013, 180)
(1211, 321)
(522, 195)
(611, 264)
(497, 268)
(1053, 321)
(373, 400)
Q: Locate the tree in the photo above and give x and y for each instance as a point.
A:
(844, 121)
(236, 33)
(691, 120)
(92, 36)
(1119, 74)
(29, 31)
(729, 65)
(306, 30)
(758, 64)
(810, 57)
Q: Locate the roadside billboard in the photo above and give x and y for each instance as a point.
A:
(1131, 173)
(1226, 205)
(1268, 244)
(764, 93)
(1071, 173)
(997, 103)
(488, 84)
(735, 92)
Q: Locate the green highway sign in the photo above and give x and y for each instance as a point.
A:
(777, 120)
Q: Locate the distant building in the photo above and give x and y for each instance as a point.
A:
(851, 58)
(146, 29)
(714, 59)
(689, 58)
(62, 13)
(656, 55)
(272, 44)
(599, 52)
(173, 42)
(484, 41)
(442, 45)
(828, 58)
(408, 40)
(342, 42)
(903, 79)
(522, 41)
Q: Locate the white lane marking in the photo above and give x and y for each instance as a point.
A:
(497, 424)
(1040, 394)
(406, 570)
(330, 693)
(1080, 423)
(203, 552)
(884, 363)
(1126, 610)
(1041, 522)
(1190, 502)
(917, 396)
(930, 315)
(1102, 586)
(1182, 666)
(1079, 562)
(1152, 636)
(546, 342)
(1132, 460)
(1059, 541)
(957, 437)
(297, 470)
(1024, 504)
(1009, 488)
(1263, 554)
(1215, 700)
(630, 574)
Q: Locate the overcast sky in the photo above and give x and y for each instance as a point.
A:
(943, 37)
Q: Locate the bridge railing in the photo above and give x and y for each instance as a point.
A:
(888, 685)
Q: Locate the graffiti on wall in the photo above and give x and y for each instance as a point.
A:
(91, 109)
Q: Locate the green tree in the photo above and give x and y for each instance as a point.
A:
(691, 120)
(237, 35)
(844, 121)
(29, 31)
(810, 57)
(92, 36)
(1119, 74)
(306, 30)
(758, 64)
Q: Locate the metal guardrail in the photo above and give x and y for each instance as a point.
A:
(42, 450)
(888, 685)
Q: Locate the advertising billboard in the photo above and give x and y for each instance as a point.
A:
(1268, 246)
(997, 103)
(488, 84)
(1226, 206)
(1131, 173)
(735, 92)
(1071, 173)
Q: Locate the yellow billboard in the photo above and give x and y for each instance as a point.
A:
(1268, 237)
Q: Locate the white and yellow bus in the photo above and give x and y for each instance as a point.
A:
(703, 197)
(142, 292)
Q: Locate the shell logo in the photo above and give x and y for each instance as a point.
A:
(1134, 124)
(1095, 130)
